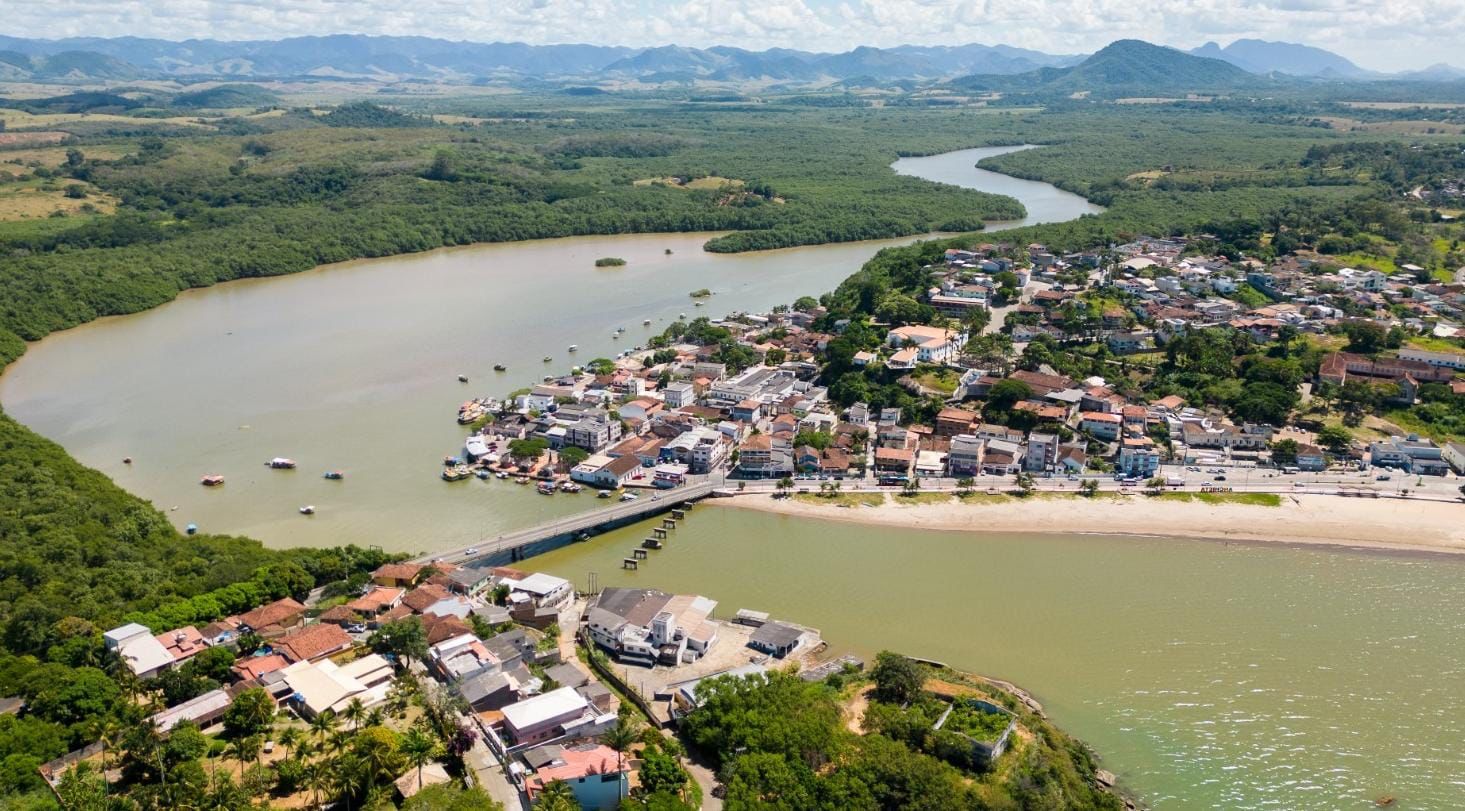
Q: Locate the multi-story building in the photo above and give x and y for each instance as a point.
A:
(1042, 453)
(964, 458)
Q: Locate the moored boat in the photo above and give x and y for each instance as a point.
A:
(308, 509)
(281, 463)
(212, 480)
(481, 473)
(499, 367)
(571, 487)
(462, 378)
(456, 473)
(546, 358)
(574, 347)
(501, 475)
(334, 475)
(521, 480)
(545, 488)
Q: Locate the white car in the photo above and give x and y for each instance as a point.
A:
(472, 550)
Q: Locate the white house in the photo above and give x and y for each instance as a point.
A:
(932, 344)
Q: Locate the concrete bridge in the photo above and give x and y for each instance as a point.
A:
(511, 546)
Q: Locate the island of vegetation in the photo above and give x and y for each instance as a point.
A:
(609, 262)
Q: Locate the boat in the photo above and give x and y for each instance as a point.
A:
(546, 358)
(456, 473)
(481, 473)
(499, 367)
(127, 460)
(545, 488)
(571, 487)
(281, 463)
(615, 336)
(697, 304)
(191, 529)
(334, 475)
(646, 323)
(574, 347)
(462, 378)
(620, 329)
(308, 509)
(501, 475)
(212, 480)
(451, 461)
(521, 480)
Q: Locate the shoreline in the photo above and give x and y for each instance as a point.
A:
(1394, 526)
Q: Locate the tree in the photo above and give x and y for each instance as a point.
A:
(1364, 337)
(1089, 487)
(571, 456)
(775, 356)
(1284, 452)
(806, 304)
(527, 450)
(83, 789)
(1155, 484)
(252, 713)
(965, 484)
(898, 679)
(662, 772)
(601, 366)
(403, 638)
(418, 747)
(441, 167)
(1335, 438)
(353, 713)
(767, 781)
(557, 796)
(75, 191)
(1004, 394)
(449, 797)
(623, 735)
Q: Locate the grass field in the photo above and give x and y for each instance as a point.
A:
(1253, 499)
(28, 200)
(922, 498)
(844, 499)
(53, 156)
(20, 119)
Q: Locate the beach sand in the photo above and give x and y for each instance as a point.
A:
(1397, 525)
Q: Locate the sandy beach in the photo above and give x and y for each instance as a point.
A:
(1397, 525)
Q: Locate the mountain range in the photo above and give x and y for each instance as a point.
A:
(352, 56)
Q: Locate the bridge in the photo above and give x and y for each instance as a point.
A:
(593, 522)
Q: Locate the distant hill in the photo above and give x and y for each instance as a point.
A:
(1260, 56)
(225, 96)
(1127, 67)
(64, 66)
(1439, 72)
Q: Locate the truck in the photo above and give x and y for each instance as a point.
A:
(1174, 481)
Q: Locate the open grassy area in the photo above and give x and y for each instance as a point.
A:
(1253, 499)
(1433, 344)
(32, 199)
(53, 156)
(842, 499)
(922, 498)
(979, 497)
(942, 380)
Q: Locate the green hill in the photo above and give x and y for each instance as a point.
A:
(226, 96)
(1128, 67)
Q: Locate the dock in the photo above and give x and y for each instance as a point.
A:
(510, 547)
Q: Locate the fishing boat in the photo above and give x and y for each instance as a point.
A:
(615, 336)
(127, 460)
(308, 509)
(451, 461)
(281, 463)
(545, 488)
(501, 475)
(499, 367)
(191, 529)
(620, 329)
(571, 487)
(212, 480)
(574, 347)
(521, 480)
(456, 473)
(334, 475)
(546, 358)
(697, 304)
(481, 473)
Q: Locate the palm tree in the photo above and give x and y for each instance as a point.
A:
(354, 712)
(318, 779)
(621, 738)
(242, 749)
(419, 748)
(323, 725)
(290, 739)
(557, 796)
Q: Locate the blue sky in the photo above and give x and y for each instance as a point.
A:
(1378, 34)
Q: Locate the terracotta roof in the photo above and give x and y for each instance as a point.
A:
(338, 614)
(421, 597)
(272, 614)
(313, 641)
(440, 629)
(397, 571)
(252, 667)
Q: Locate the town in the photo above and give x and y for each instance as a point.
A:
(1151, 363)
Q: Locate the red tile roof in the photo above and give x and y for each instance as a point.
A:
(313, 642)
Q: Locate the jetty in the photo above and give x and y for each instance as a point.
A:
(510, 546)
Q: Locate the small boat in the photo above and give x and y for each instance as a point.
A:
(127, 460)
(521, 480)
(697, 304)
(456, 473)
(620, 329)
(191, 529)
(211, 480)
(451, 461)
(681, 315)
(308, 509)
(646, 323)
(281, 463)
(571, 487)
(574, 347)
(615, 336)
(333, 475)
(481, 473)
(462, 378)
(545, 488)
(499, 367)
(501, 475)
(546, 358)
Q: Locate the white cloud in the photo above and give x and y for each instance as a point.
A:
(1382, 34)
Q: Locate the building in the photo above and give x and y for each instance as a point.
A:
(1311, 459)
(1339, 368)
(1042, 453)
(1411, 454)
(313, 642)
(605, 472)
(320, 686)
(136, 647)
(273, 619)
(597, 774)
(932, 344)
(1443, 360)
(953, 421)
(400, 575)
(202, 710)
(1101, 426)
(647, 626)
(544, 590)
(677, 394)
(763, 456)
(1454, 453)
(780, 640)
(546, 716)
(1138, 457)
(964, 457)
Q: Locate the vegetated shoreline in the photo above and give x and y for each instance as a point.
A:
(1396, 526)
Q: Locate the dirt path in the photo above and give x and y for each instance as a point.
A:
(854, 711)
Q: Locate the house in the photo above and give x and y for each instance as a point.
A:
(400, 575)
(678, 394)
(779, 639)
(894, 460)
(964, 456)
(648, 626)
(182, 643)
(1001, 457)
(765, 456)
(494, 689)
(202, 710)
(1340, 367)
(1311, 458)
(379, 600)
(598, 775)
(546, 716)
(253, 667)
(273, 619)
(544, 590)
(313, 642)
(136, 647)
(1411, 454)
(317, 687)
(953, 421)
(1101, 426)
(932, 344)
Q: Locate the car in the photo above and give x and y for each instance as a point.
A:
(1220, 477)
(357, 628)
(472, 550)
(1382, 477)
(1299, 484)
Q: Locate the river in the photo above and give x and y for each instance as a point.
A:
(1208, 676)
(354, 367)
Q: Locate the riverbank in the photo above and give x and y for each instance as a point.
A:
(1377, 524)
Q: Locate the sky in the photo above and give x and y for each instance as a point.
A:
(1386, 35)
